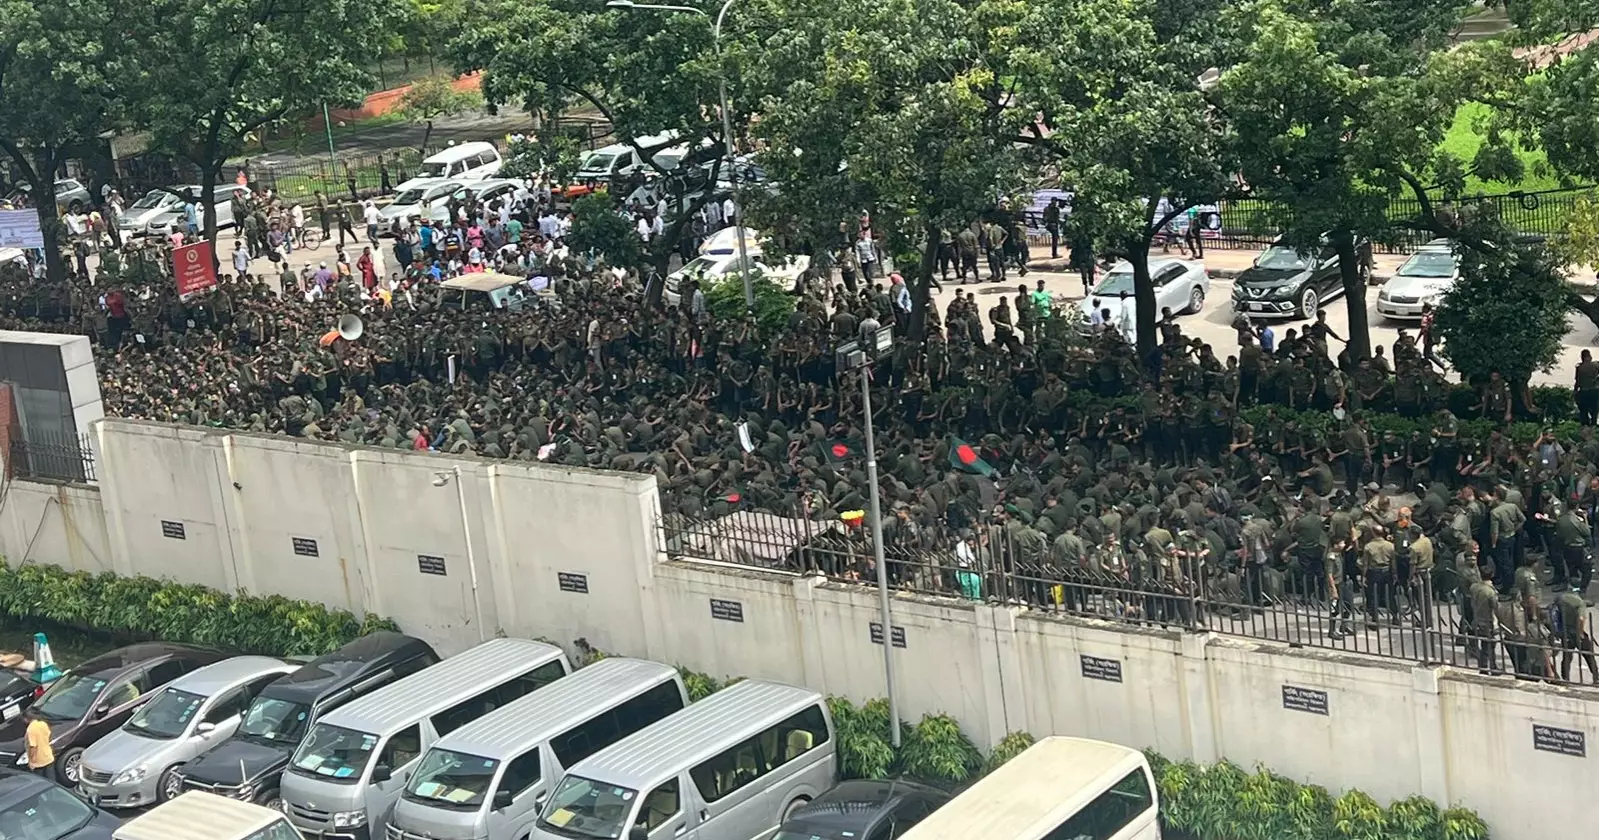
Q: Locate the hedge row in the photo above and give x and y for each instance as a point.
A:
(1206, 802)
(141, 608)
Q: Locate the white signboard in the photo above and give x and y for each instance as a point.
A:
(20, 229)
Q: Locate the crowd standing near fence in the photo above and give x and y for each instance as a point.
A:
(1025, 456)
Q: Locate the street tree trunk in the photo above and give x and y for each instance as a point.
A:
(921, 293)
(55, 263)
(1143, 296)
(1350, 270)
(209, 175)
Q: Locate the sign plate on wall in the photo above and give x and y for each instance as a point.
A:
(1312, 700)
(876, 631)
(573, 582)
(429, 564)
(1570, 742)
(727, 610)
(305, 547)
(1097, 668)
(173, 530)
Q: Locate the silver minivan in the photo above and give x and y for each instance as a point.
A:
(730, 767)
(141, 763)
(200, 814)
(346, 775)
(488, 779)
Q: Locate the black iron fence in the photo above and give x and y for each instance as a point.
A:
(1426, 616)
(349, 176)
(55, 457)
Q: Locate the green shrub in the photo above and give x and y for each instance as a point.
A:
(937, 749)
(864, 749)
(699, 686)
(146, 608)
(724, 297)
(1008, 748)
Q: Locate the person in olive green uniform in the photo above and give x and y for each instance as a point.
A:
(1569, 557)
(1587, 389)
(1504, 527)
(1377, 570)
(1481, 602)
(1572, 633)
(1310, 549)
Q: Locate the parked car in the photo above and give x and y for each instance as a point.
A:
(140, 763)
(490, 189)
(96, 697)
(17, 693)
(619, 160)
(1286, 282)
(35, 808)
(862, 809)
(249, 764)
(417, 201)
(1180, 285)
(70, 194)
(473, 161)
(212, 817)
(709, 268)
(1422, 279)
(161, 223)
(136, 218)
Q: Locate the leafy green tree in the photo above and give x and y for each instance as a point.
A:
(1114, 85)
(879, 107)
(1508, 310)
(60, 88)
(597, 228)
(645, 72)
(434, 97)
(724, 298)
(1312, 105)
(217, 71)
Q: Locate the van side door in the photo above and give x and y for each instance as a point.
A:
(666, 813)
(399, 755)
(520, 794)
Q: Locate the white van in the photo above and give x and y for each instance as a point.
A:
(461, 162)
(619, 160)
(197, 814)
(731, 767)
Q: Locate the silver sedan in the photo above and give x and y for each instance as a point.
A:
(1180, 285)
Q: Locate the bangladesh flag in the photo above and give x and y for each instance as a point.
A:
(963, 456)
(839, 451)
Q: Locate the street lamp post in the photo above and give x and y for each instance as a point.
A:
(727, 126)
(859, 356)
(439, 480)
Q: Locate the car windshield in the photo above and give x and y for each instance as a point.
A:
(1115, 283)
(1282, 257)
(668, 160)
(452, 779)
(411, 196)
(47, 815)
(271, 719)
(167, 716)
(435, 170)
(151, 199)
(334, 752)
(597, 163)
(69, 698)
(1429, 264)
(588, 809)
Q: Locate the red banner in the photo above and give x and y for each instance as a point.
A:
(193, 268)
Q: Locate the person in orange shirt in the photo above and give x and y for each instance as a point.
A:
(41, 757)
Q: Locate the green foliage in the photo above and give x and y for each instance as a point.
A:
(936, 749)
(1506, 313)
(554, 154)
(597, 228)
(1009, 747)
(773, 304)
(146, 608)
(864, 746)
(700, 686)
(588, 654)
(434, 97)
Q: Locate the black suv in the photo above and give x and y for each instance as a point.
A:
(96, 697)
(249, 764)
(33, 806)
(1285, 282)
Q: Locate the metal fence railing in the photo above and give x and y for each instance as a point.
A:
(1425, 618)
(52, 456)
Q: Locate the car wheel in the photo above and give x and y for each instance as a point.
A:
(1308, 302)
(795, 806)
(1196, 300)
(170, 785)
(270, 799)
(70, 765)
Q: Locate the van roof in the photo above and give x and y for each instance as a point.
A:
(510, 730)
(220, 676)
(436, 688)
(460, 150)
(1030, 794)
(333, 672)
(701, 731)
(198, 815)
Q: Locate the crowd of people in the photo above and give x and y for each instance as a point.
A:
(1096, 481)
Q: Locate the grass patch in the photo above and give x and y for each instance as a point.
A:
(1463, 141)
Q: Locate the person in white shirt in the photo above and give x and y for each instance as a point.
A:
(642, 226)
(729, 211)
(370, 214)
(297, 225)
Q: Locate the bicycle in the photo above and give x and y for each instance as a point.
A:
(310, 238)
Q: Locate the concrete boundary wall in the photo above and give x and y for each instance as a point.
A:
(565, 554)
